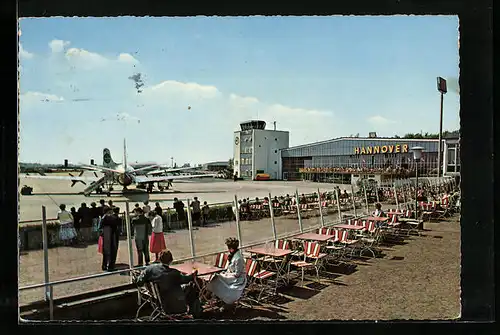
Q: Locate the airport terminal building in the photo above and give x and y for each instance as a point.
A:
(340, 160)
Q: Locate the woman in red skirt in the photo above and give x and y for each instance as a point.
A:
(157, 243)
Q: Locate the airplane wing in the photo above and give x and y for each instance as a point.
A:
(147, 167)
(98, 168)
(146, 179)
(170, 170)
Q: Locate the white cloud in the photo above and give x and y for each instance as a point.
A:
(127, 58)
(23, 53)
(84, 58)
(172, 87)
(58, 45)
(30, 97)
(378, 120)
(305, 125)
(242, 100)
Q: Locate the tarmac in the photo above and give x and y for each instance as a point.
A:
(52, 193)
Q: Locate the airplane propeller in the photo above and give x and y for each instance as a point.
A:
(73, 182)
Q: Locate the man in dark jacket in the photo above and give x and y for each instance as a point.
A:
(110, 224)
(179, 208)
(142, 229)
(177, 291)
(85, 216)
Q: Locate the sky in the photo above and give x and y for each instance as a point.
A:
(179, 87)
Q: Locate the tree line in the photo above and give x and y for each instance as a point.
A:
(446, 134)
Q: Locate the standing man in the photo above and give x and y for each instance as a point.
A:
(110, 224)
(206, 213)
(146, 208)
(85, 221)
(142, 231)
(95, 213)
(104, 208)
(179, 208)
(196, 211)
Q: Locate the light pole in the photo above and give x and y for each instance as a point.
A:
(417, 155)
(441, 86)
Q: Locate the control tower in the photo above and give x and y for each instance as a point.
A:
(257, 150)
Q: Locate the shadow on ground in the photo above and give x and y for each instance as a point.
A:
(245, 313)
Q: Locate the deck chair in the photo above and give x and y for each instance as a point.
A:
(257, 279)
(312, 259)
(150, 294)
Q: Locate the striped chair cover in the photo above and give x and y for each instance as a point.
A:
(221, 260)
(282, 244)
(311, 249)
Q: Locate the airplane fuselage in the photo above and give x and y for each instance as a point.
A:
(125, 176)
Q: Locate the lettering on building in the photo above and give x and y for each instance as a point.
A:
(381, 149)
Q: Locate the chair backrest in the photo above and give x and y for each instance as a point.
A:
(221, 260)
(282, 244)
(311, 249)
(343, 235)
(251, 267)
(336, 232)
(323, 231)
(371, 226)
(324, 204)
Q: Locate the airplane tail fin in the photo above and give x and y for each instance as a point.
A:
(107, 161)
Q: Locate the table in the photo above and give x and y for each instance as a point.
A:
(203, 270)
(349, 226)
(282, 266)
(314, 237)
(394, 213)
(376, 218)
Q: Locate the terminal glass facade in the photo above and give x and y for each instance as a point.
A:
(327, 161)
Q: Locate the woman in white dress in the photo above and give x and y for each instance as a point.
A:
(67, 230)
(228, 286)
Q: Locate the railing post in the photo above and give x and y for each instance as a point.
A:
(366, 198)
(271, 212)
(51, 302)
(298, 210)
(395, 195)
(320, 209)
(129, 237)
(337, 197)
(190, 228)
(404, 194)
(45, 239)
(237, 215)
(353, 200)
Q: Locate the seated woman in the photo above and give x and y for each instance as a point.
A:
(177, 291)
(228, 286)
(378, 211)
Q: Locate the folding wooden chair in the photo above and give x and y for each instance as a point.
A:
(312, 253)
(257, 278)
(150, 294)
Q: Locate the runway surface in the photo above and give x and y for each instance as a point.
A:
(52, 193)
